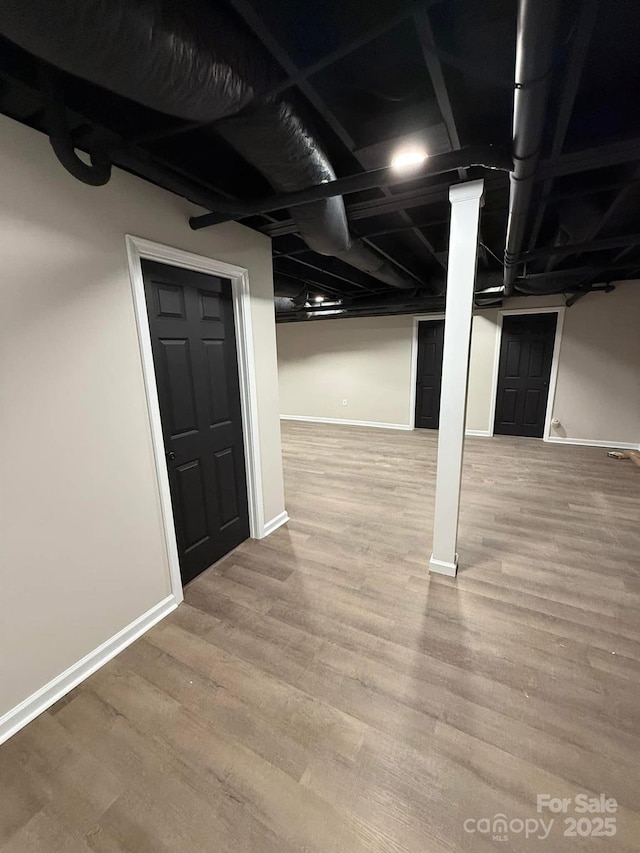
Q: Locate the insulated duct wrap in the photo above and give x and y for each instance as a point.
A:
(186, 59)
(548, 285)
(578, 223)
(359, 255)
(194, 61)
(286, 288)
(271, 137)
(285, 303)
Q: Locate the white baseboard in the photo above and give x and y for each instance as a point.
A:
(275, 523)
(343, 421)
(441, 567)
(18, 717)
(588, 442)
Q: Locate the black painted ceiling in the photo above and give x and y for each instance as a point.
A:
(369, 76)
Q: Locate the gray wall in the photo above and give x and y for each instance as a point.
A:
(368, 363)
(82, 552)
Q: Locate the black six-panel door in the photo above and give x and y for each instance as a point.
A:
(526, 355)
(194, 352)
(429, 374)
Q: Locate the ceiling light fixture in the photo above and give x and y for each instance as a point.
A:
(499, 288)
(408, 159)
(319, 299)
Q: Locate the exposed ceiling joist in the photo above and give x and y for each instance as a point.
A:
(427, 43)
(253, 20)
(481, 156)
(598, 157)
(384, 232)
(434, 66)
(609, 212)
(350, 47)
(618, 201)
(578, 56)
(628, 241)
(379, 79)
(392, 204)
(325, 271)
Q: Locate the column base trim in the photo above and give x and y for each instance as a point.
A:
(441, 567)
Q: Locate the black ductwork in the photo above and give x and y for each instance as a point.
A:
(578, 222)
(548, 284)
(288, 288)
(312, 186)
(534, 64)
(284, 304)
(193, 61)
(272, 137)
(392, 304)
(482, 156)
(98, 172)
(187, 59)
(385, 303)
(290, 295)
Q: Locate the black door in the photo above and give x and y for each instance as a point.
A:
(194, 353)
(526, 354)
(429, 375)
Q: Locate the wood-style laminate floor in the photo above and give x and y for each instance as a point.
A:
(318, 691)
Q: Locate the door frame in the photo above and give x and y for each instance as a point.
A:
(553, 378)
(418, 318)
(138, 249)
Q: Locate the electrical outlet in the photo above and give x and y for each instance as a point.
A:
(344, 402)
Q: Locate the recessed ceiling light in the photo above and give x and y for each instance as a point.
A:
(408, 159)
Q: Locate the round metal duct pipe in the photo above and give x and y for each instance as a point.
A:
(192, 60)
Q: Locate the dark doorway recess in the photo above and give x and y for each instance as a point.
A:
(429, 374)
(526, 353)
(194, 354)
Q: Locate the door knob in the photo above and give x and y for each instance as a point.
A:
(171, 455)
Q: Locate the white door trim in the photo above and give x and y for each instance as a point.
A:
(418, 318)
(137, 249)
(555, 361)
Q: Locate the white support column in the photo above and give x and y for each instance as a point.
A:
(466, 200)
